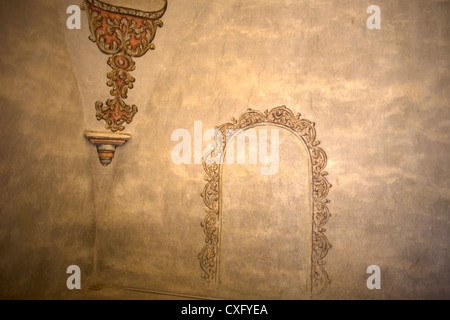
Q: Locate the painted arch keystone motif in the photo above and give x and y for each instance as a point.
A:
(124, 34)
(285, 118)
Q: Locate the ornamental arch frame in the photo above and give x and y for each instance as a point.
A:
(284, 118)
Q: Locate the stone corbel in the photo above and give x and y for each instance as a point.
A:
(106, 144)
(123, 34)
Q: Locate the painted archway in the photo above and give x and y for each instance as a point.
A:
(213, 162)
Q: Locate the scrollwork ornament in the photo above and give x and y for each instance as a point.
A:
(124, 34)
(212, 162)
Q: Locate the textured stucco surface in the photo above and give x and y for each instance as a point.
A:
(380, 100)
(265, 249)
(47, 208)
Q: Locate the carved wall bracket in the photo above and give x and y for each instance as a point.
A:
(124, 34)
(106, 144)
(304, 129)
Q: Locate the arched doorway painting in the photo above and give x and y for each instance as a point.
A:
(304, 130)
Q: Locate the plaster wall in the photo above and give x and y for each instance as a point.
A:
(380, 100)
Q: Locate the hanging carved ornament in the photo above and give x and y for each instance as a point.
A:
(212, 164)
(123, 34)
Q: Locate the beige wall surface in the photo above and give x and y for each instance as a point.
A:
(380, 100)
(265, 249)
(47, 207)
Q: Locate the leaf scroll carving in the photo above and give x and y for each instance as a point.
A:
(124, 34)
(285, 118)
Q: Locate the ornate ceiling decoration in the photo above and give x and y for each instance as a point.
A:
(304, 129)
(124, 34)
